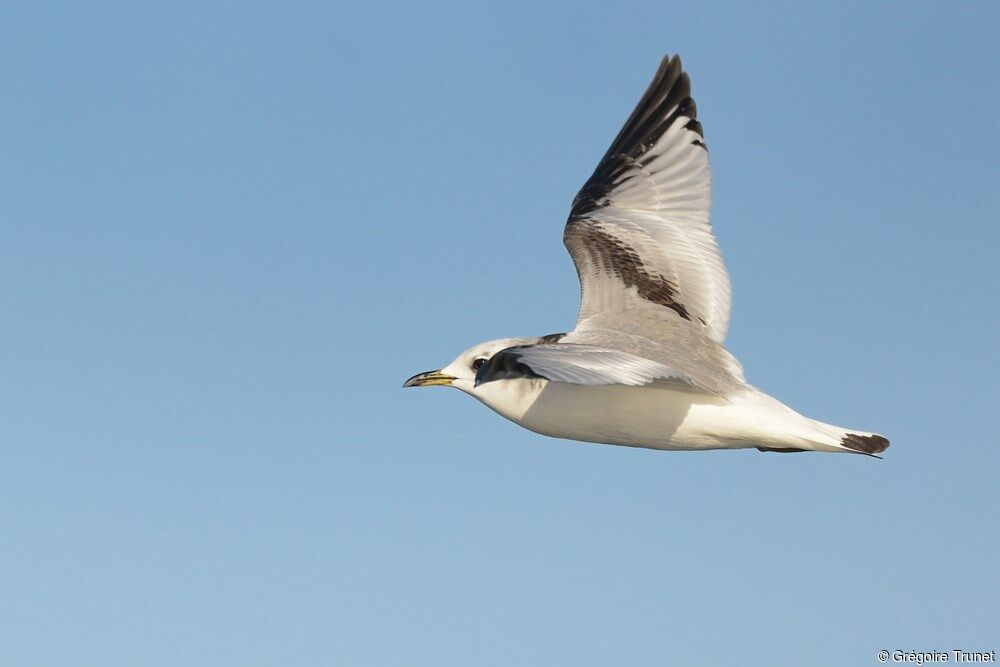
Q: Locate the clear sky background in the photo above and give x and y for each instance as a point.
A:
(229, 231)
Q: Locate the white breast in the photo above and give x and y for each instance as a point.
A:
(647, 416)
(653, 416)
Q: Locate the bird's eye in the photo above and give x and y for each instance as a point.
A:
(478, 363)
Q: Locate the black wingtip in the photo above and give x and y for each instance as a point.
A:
(871, 445)
(667, 98)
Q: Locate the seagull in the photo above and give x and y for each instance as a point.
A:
(645, 365)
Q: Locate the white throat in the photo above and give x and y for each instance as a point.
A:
(509, 398)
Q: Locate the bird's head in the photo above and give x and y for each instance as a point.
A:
(461, 373)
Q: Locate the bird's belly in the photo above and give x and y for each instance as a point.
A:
(653, 416)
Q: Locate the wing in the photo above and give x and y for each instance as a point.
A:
(639, 229)
(575, 364)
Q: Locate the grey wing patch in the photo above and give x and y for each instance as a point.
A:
(586, 240)
(652, 333)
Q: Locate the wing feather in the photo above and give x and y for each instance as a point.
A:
(576, 364)
(639, 228)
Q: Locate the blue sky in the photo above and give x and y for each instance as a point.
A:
(230, 231)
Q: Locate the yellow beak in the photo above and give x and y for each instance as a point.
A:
(429, 379)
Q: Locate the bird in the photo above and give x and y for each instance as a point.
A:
(645, 365)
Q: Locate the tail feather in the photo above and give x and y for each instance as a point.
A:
(865, 444)
(783, 430)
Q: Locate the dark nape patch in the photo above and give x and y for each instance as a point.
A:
(866, 444)
(612, 255)
(504, 365)
(551, 338)
(781, 450)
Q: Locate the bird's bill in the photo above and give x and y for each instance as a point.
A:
(429, 379)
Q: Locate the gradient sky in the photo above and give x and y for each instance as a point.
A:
(229, 231)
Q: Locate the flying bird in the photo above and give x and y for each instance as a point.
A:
(645, 365)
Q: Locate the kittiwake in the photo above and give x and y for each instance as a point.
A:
(645, 365)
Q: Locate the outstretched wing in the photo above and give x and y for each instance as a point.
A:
(639, 230)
